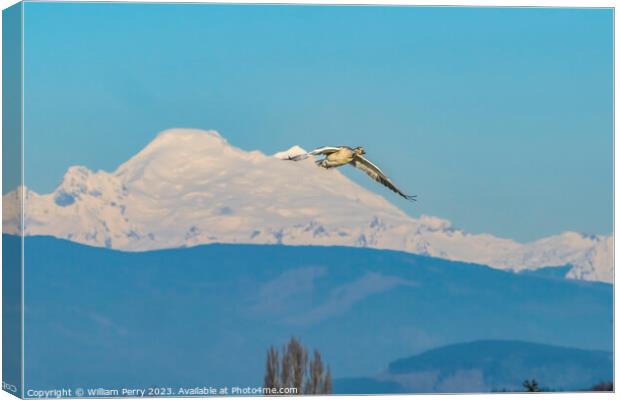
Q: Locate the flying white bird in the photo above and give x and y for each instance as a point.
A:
(342, 155)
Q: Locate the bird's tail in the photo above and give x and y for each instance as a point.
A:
(298, 157)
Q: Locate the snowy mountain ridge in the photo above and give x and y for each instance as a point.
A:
(190, 187)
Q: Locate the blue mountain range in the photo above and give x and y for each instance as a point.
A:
(206, 315)
(488, 365)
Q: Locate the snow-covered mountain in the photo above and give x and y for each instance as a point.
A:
(190, 187)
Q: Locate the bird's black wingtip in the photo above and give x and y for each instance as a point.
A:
(413, 197)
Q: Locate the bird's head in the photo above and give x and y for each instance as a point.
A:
(359, 150)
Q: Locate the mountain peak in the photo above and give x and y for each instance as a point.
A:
(187, 133)
(177, 149)
(184, 137)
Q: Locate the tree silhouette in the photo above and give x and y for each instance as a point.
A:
(294, 369)
(272, 373)
(531, 386)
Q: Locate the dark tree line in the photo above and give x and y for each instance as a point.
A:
(603, 387)
(293, 368)
(533, 386)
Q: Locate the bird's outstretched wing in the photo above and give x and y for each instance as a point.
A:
(321, 150)
(375, 173)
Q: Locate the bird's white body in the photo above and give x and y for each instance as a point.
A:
(341, 157)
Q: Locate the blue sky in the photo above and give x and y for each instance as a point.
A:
(498, 119)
